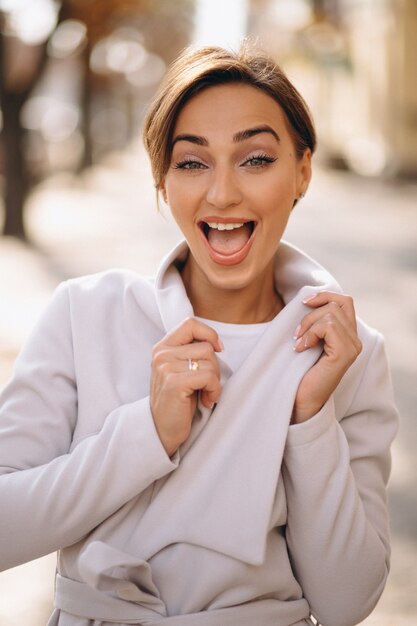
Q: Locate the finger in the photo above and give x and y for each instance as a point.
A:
(179, 356)
(336, 340)
(192, 330)
(179, 366)
(318, 333)
(197, 351)
(344, 301)
(205, 398)
(190, 381)
(332, 309)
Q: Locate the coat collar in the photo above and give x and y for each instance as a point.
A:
(294, 270)
(223, 493)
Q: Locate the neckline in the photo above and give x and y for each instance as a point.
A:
(230, 325)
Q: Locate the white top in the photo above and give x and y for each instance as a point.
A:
(238, 339)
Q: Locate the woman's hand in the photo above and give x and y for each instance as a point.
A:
(332, 323)
(174, 387)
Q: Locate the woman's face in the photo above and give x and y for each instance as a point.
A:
(232, 182)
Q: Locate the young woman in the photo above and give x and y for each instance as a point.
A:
(212, 447)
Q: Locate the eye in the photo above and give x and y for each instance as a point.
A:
(189, 164)
(258, 160)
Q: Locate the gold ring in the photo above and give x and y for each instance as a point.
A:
(193, 365)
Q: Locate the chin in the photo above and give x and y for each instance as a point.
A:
(230, 277)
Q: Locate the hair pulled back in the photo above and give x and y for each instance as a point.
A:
(197, 69)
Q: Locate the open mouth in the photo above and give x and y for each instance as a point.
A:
(228, 241)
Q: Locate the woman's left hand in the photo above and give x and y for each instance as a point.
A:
(332, 324)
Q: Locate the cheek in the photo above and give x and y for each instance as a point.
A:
(181, 192)
(277, 198)
(276, 204)
(182, 213)
(180, 217)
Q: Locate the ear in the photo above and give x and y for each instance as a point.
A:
(305, 169)
(163, 192)
(304, 173)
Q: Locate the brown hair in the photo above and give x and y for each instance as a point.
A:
(195, 70)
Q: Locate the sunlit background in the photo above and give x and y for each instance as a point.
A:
(77, 73)
(76, 194)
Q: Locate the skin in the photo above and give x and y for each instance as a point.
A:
(227, 179)
(233, 157)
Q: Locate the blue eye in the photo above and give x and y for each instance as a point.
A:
(189, 164)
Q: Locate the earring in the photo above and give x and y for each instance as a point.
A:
(302, 194)
(164, 196)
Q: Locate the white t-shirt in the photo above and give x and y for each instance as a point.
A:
(238, 339)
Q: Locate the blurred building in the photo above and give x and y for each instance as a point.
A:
(355, 61)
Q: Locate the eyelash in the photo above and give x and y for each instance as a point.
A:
(182, 165)
(263, 158)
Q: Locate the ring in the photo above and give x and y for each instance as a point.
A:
(193, 365)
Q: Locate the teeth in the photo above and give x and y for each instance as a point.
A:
(222, 226)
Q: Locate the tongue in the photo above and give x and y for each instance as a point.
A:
(229, 241)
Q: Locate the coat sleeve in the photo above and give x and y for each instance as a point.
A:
(51, 495)
(335, 475)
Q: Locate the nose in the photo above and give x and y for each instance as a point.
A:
(223, 190)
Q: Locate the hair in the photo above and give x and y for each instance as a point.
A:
(197, 69)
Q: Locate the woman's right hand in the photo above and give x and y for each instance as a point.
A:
(174, 387)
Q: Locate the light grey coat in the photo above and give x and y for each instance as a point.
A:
(251, 522)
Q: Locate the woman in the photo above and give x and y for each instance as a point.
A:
(211, 447)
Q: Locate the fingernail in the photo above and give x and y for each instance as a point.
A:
(221, 344)
(298, 343)
(297, 330)
(309, 298)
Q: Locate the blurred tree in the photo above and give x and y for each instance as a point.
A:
(165, 29)
(21, 66)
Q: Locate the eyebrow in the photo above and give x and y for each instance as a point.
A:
(242, 135)
(251, 132)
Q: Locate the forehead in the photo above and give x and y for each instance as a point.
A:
(227, 109)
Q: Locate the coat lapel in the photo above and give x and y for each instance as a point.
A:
(222, 495)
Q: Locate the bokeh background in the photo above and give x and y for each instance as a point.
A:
(76, 194)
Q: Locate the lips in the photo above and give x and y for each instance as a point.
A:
(228, 240)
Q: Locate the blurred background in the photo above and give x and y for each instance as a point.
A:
(76, 194)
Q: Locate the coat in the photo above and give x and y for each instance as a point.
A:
(251, 521)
